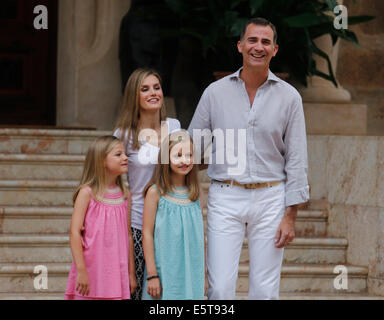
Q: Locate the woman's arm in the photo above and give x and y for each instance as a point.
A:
(80, 209)
(149, 217)
(132, 273)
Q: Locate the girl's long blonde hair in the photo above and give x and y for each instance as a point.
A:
(94, 173)
(162, 174)
(128, 120)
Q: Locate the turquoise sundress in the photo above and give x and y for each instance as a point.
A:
(179, 247)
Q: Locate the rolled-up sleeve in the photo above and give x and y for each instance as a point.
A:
(296, 156)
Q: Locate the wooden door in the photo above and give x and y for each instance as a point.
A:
(27, 64)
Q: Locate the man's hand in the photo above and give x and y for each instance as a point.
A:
(206, 285)
(286, 231)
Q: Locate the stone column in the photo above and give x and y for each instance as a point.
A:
(88, 84)
(328, 109)
(317, 86)
(320, 89)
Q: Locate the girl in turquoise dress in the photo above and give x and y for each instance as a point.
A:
(173, 229)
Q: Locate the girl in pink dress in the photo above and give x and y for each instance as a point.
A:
(103, 262)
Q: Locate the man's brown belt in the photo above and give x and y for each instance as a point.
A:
(252, 185)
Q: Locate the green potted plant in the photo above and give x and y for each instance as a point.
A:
(216, 26)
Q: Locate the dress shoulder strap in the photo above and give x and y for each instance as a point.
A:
(156, 188)
(89, 190)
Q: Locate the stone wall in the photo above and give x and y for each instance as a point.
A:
(347, 175)
(361, 69)
(88, 65)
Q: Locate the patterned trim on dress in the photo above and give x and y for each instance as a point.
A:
(179, 196)
(114, 190)
(111, 201)
(113, 196)
(177, 200)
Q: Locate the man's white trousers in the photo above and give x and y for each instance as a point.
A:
(234, 212)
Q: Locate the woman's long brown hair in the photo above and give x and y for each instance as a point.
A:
(128, 120)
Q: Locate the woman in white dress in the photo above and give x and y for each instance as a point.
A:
(142, 125)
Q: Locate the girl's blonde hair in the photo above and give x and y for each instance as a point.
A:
(94, 173)
(128, 120)
(162, 175)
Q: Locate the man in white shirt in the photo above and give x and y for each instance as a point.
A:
(266, 117)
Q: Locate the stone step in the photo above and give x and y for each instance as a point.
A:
(31, 296)
(41, 166)
(37, 192)
(35, 248)
(309, 223)
(56, 248)
(239, 296)
(317, 296)
(35, 220)
(55, 220)
(309, 278)
(47, 141)
(20, 278)
(309, 251)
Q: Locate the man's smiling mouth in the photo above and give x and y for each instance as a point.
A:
(258, 56)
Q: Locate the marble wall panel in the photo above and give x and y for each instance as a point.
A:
(353, 170)
(317, 166)
(337, 221)
(362, 235)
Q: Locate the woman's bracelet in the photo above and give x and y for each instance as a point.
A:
(153, 277)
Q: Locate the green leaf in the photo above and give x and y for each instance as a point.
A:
(322, 54)
(177, 6)
(316, 72)
(235, 3)
(255, 5)
(322, 29)
(331, 4)
(192, 33)
(170, 33)
(306, 20)
(311, 64)
(347, 35)
(334, 39)
(312, 48)
(238, 27)
(359, 19)
(230, 16)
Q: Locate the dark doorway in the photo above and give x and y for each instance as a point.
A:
(27, 64)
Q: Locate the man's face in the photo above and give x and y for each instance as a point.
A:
(257, 46)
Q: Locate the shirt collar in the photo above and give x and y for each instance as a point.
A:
(271, 76)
